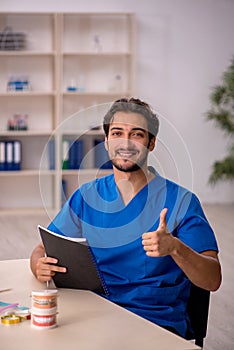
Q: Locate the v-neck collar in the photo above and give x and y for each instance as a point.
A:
(144, 192)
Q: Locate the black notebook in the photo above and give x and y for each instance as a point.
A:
(76, 255)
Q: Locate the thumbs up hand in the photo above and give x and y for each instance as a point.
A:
(159, 242)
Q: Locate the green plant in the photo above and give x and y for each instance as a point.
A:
(222, 113)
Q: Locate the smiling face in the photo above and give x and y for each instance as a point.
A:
(128, 141)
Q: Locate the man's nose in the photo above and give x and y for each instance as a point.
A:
(126, 141)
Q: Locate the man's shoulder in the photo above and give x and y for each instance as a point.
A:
(176, 190)
(177, 185)
(171, 184)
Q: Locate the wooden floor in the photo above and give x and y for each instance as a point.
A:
(18, 236)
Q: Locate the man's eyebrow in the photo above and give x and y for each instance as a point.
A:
(134, 129)
(140, 129)
(116, 128)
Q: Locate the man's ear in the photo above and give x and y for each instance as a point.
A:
(106, 144)
(152, 144)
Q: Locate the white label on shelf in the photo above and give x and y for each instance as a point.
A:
(9, 152)
(2, 152)
(17, 152)
(65, 150)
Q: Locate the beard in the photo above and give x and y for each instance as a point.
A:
(129, 168)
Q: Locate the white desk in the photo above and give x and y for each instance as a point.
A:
(85, 320)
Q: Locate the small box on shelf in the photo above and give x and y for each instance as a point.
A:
(19, 122)
(18, 83)
(12, 40)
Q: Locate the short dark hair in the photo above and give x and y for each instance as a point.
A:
(133, 105)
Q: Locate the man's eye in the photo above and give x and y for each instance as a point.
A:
(115, 133)
(137, 134)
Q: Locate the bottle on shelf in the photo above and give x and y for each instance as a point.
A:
(81, 84)
(19, 122)
(72, 85)
(116, 84)
(97, 45)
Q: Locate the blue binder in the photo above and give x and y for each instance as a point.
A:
(17, 154)
(10, 155)
(75, 154)
(101, 158)
(51, 149)
(65, 154)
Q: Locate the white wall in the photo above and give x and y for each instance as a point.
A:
(183, 46)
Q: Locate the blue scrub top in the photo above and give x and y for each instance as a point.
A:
(154, 288)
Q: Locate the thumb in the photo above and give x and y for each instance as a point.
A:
(162, 222)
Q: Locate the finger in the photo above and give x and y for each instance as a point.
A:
(146, 242)
(45, 274)
(151, 248)
(48, 260)
(56, 268)
(153, 254)
(48, 268)
(146, 236)
(162, 221)
(50, 264)
(152, 238)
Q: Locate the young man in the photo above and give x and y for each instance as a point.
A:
(149, 235)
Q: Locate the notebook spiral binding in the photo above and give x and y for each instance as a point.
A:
(99, 272)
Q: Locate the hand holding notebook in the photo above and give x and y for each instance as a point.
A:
(76, 255)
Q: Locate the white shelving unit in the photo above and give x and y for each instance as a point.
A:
(77, 64)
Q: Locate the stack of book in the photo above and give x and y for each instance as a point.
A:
(10, 155)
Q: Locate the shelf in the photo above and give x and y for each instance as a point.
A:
(96, 93)
(25, 53)
(61, 48)
(27, 93)
(82, 132)
(27, 211)
(26, 133)
(26, 173)
(97, 54)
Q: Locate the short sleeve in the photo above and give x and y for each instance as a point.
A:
(67, 222)
(194, 228)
